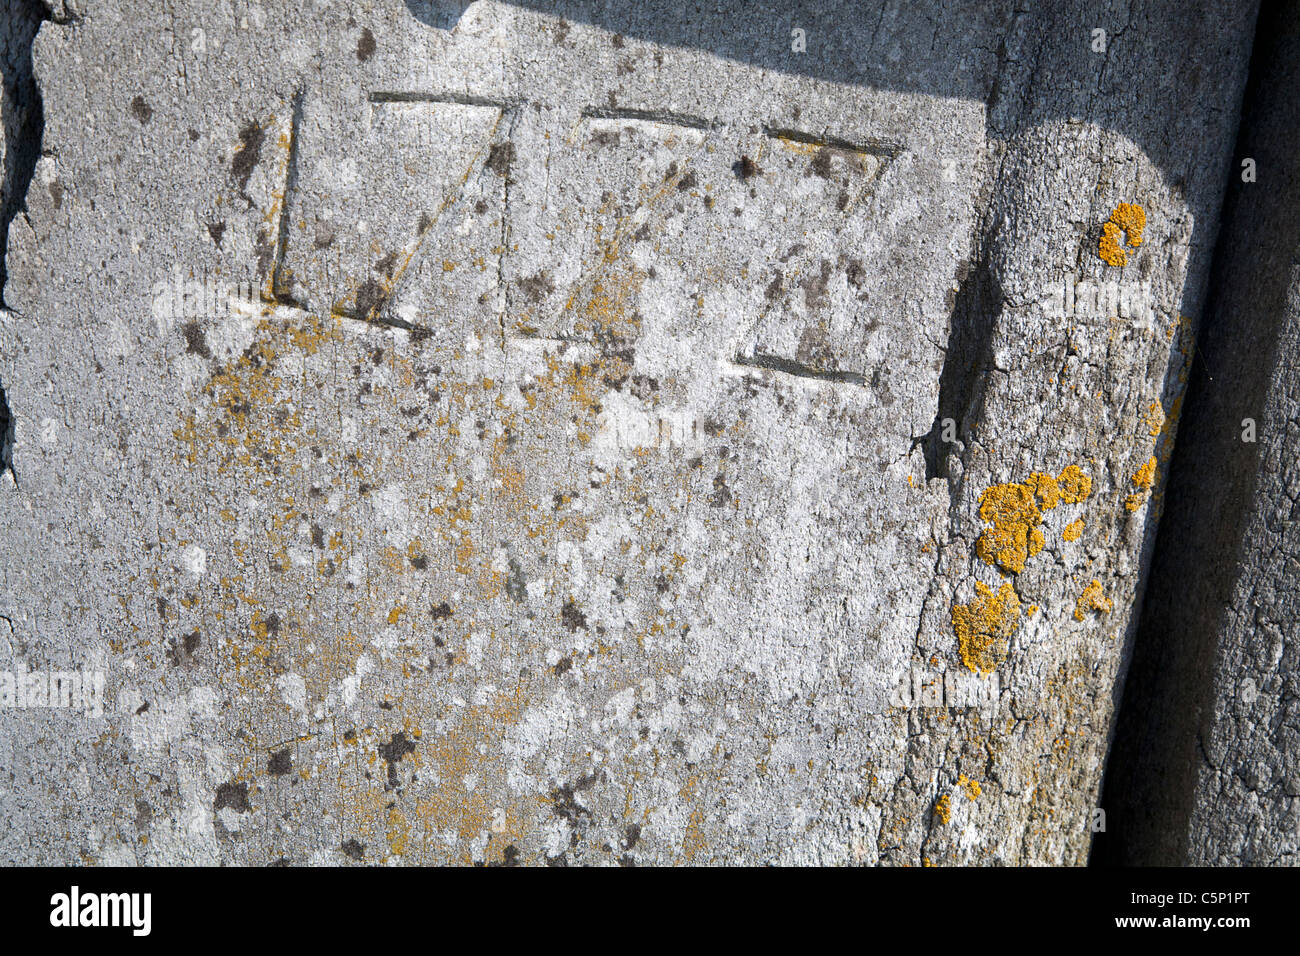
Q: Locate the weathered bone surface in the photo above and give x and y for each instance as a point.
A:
(485, 433)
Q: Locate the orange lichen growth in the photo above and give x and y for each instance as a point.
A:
(1143, 479)
(1145, 476)
(1016, 510)
(983, 626)
(1045, 489)
(1126, 222)
(943, 809)
(1073, 531)
(1110, 249)
(972, 787)
(1092, 599)
(1132, 218)
(1015, 537)
(1155, 419)
(1075, 485)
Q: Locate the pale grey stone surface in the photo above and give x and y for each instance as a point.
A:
(1207, 764)
(477, 433)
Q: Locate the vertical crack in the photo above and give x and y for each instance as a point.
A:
(967, 359)
(24, 116)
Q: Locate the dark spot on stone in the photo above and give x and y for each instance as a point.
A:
(142, 708)
(661, 583)
(671, 171)
(855, 273)
(537, 287)
(425, 222)
(500, 156)
(631, 835)
(246, 157)
(317, 535)
(606, 137)
(279, 764)
(263, 248)
(140, 110)
(216, 230)
(232, 795)
(713, 428)
(441, 612)
(143, 815)
(365, 45)
(386, 265)
(56, 194)
(183, 649)
(354, 850)
(561, 31)
(324, 236)
(687, 182)
(420, 562)
(617, 41)
(394, 751)
(161, 604)
(721, 496)
(273, 623)
(746, 168)
(571, 617)
(194, 135)
(481, 206)
(195, 341)
(821, 164)
(370, 296)
(814, 287)
(516, 582)
(565, 803)
(562, 665)
(773, 290)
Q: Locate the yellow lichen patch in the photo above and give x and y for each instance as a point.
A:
(1109, 248)
(943, 809)
(1016, 510)
(1143, 479)
(1046, 489)
(1145, 476)
(1015, 537)
(1092, 599)
(1075, 485)
(1126, 222)
(983, 626)
(1073, 531)
(1132, 218)
(1155, 419)
(972, 787)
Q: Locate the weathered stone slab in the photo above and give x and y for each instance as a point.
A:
(493, 434)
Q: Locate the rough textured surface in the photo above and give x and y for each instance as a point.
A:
(478, 433)
(1207, 761)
